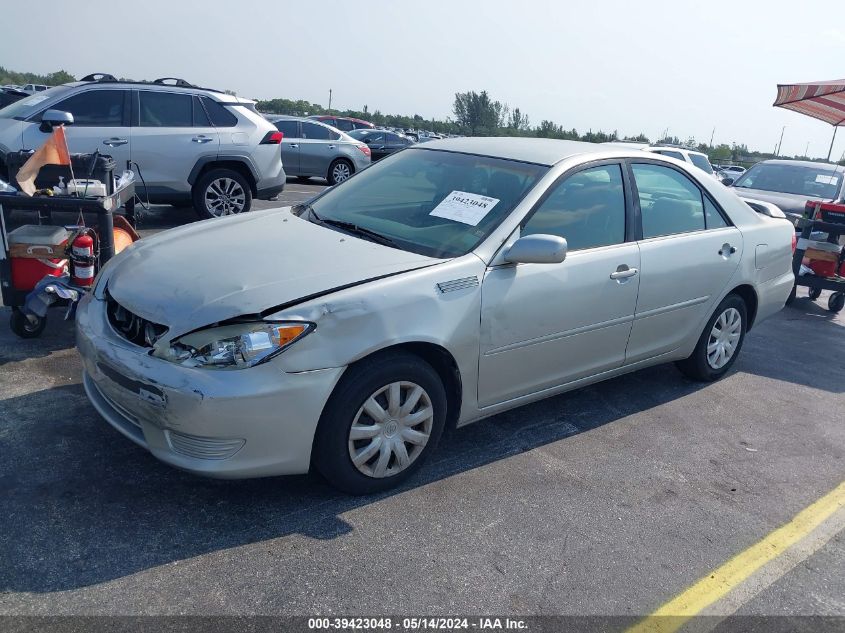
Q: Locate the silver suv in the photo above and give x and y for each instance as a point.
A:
(193, 145)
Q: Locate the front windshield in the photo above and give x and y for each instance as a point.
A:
(435, 203)
(813, 182)
(31, 104)
(701, 162)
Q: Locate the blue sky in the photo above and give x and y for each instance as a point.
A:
(641, 66)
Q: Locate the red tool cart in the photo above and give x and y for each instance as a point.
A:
(822, 260)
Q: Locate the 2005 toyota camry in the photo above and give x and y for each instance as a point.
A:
(446, 283)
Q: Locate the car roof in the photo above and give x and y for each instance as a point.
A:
(217, 95)
(542, 151)
(804, 163)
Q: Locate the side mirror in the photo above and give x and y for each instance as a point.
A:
(727, 181)
(537, 249)
(51, 118)
(369, 140)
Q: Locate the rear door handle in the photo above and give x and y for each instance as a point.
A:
(293, 145)
(727, 247)
(114, 141)
(623, 272)
(330, 146)
(202, 139)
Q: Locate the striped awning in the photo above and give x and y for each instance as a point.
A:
(824, 100)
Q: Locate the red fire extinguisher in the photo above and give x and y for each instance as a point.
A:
(82, 258)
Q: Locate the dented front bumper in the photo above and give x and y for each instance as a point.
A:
(251, 422)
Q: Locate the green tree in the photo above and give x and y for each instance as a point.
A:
(476, 113)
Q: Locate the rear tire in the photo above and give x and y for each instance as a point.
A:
(373, 433)
(339, 170)
(814, 293)
(221, 192)
(719, 343)
(836, 302)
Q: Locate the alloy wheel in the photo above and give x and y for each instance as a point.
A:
(224, 196)
(341, 172)
(391, 429)
(724, 338)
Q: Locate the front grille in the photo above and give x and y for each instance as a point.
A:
(132, 327)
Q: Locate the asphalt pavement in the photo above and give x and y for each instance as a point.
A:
(610, 500)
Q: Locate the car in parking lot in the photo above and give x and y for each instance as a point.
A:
(699, 159)
(343, 123)
(193, 145)
(789, 184)
(381, 142)
(444, 284)
(312, 148)
(732, 171)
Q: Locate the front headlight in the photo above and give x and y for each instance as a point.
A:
(235, 346)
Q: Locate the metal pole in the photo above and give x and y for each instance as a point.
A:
(712, 134)
(780, 142)
(835, 127)
(330, 100)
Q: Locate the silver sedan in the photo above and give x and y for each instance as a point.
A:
(449, 282)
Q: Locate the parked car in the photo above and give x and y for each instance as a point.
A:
(312, 148)
(10, 95)
(698, 159)
(790, 183)
(31, 89)
(434, 288)
(193, 145)
(381, 143)
(732, 171)
(342, 123)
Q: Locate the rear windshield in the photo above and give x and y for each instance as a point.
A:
(435, 203)
(701, 162)
(30, 105)
(801, 180)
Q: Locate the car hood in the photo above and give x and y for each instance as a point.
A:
(215, 270)
(788, 202)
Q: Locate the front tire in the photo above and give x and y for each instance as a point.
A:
(221, 192)
(836, 302)
(720, 343)
(380, 423)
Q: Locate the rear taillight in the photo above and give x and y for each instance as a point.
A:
(794, 242)
(272, 138)
(366, 150)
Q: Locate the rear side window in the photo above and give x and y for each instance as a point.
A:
(588, 209)
(672, 154)
(289, 128)
(712, 216)
(701, 162)
(200, 117)
(165, 109)
(670, 202)
(343, 124)
(95, 108)
(219, 115)
(312, 130)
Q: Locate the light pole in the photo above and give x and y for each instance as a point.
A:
(330, 100)
(712, 134)
(780, 142)
(807, 149)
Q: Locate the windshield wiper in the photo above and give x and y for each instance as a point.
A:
(350, 227)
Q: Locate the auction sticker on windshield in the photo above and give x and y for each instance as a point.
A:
(468, 208)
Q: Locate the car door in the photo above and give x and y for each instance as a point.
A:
(377, 142)
(171, 132)
(394, 142)
(290, 145)
(544, 325)
(317, 149)
(688, 251)
(100, 122)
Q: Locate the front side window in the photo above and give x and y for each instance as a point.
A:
(314, 131)
(165, 109)
(95, 108)
(587, 208)
(435, 203)
(670, 202)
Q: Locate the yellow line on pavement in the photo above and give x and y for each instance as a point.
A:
(715, 585)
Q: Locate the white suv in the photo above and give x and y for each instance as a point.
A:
(698, 159)
(192, 145)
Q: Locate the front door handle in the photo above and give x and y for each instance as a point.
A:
(202, 139)
(293, 146)
(727, 250)
(330, 146)
(623, 272)
(114, 141)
